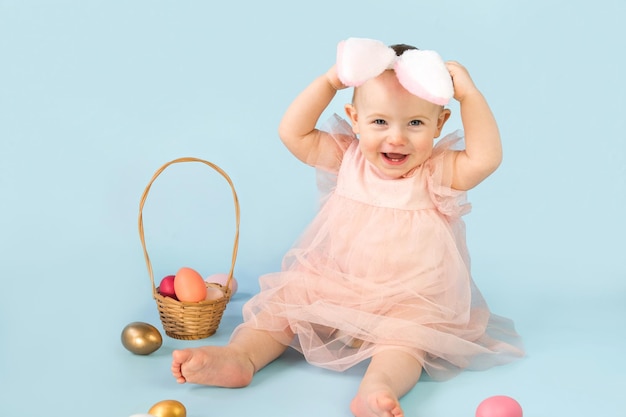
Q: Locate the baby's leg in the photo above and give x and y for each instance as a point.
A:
(229, 366)
(390, 375)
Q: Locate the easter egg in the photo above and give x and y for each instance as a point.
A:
(166, 287)
(499, 406)
(213, 293)
(142, 415)
(168, 408)
(189, 285)
(222, 279)
(141, 338)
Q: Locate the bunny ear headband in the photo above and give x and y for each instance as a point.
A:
(422, 73)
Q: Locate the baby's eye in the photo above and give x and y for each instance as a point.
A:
(379, 122)
(415, 122)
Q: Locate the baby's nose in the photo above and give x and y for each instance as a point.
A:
(397, 137)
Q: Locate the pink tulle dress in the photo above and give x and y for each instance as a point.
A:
(384, 265)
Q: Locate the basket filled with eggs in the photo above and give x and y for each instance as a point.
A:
(190, 308)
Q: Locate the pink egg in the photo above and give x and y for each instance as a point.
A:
(222, 279)
(189, 285)
(166, 287)
(499, 406)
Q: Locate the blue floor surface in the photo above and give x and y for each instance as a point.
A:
(96, 95)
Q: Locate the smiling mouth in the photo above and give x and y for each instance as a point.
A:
(394, 158)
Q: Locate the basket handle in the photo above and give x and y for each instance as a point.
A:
(143, 200)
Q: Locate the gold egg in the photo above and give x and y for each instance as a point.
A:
(141, 338)
(168, 408)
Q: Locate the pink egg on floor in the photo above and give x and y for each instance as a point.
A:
(499, 406)
(222, 279)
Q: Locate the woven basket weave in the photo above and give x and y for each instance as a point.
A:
(185, 320)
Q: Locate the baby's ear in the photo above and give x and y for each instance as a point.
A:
(443, 118)
(353, 116)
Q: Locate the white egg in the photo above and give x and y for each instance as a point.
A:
(213, 293)
(222, 279)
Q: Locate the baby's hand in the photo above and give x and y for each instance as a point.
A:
(463, 84)
(333, 79)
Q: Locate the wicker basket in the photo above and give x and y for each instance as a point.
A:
(185, 320)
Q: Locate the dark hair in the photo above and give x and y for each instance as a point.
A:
(400, 48)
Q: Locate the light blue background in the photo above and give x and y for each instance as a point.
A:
(96, 95)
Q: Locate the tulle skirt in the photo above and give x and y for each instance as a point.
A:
(345, 293)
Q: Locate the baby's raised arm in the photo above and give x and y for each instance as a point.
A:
(298, 130)
(483, 149)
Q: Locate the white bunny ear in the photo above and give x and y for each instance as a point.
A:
(424, 74)
(359, 60)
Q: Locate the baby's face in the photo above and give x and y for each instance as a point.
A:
(396, 129)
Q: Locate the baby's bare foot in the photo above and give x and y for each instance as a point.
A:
(377, 403)
(212, 365)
